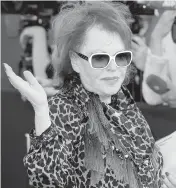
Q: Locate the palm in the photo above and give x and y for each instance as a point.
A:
(34, 93)
(30, 88)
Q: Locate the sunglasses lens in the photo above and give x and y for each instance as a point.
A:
(99, 60)
(123, 58)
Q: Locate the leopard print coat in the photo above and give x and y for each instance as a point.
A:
(56, 157)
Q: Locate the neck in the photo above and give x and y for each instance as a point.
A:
(106, 99)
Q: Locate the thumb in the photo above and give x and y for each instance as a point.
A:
(44, 81)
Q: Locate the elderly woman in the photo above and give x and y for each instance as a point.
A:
(92, 134)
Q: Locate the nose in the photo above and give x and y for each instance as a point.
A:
(112, 65)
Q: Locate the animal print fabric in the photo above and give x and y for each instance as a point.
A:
(56, 158)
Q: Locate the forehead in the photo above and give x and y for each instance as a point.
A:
(98, 39)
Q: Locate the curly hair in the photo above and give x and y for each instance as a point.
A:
(73, 21)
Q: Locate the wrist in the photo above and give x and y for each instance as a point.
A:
(42, 120)
(42, 109)
(42, 123)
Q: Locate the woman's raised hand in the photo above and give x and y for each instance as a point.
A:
(35, 94)
(30, 88)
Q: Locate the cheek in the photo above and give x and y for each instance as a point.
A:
(89, 73)
(124, 71)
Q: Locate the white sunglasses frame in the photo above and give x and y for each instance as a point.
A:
(110, 58)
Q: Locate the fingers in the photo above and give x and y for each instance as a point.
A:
(30, 78)
(22, 86)
(30, 89)
(15, 80)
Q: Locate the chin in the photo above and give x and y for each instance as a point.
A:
(111, 91)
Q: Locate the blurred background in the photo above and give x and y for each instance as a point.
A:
(26, 44)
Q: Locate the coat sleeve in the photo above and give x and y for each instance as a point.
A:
(48, 160)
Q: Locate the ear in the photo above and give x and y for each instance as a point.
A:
(74, 61)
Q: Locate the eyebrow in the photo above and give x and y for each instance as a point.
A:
(95, 51)
(98, 50)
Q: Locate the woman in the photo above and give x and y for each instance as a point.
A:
(92, 134)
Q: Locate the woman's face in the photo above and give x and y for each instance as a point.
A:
(104, 82)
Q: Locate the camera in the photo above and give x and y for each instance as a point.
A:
(141, 7)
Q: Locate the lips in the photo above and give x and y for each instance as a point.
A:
(111, 78)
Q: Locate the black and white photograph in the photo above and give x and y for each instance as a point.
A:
(88, 94)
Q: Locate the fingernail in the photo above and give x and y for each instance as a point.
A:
(4, 65)
(167, 173)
